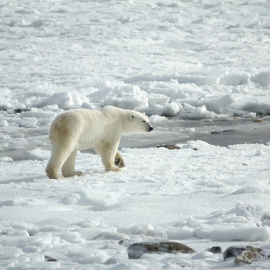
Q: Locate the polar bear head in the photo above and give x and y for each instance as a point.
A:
(138, 122)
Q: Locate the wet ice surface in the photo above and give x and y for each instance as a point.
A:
(222, 132)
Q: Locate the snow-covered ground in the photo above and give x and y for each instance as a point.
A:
(204, 64)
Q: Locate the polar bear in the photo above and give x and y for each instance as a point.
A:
(80, 129)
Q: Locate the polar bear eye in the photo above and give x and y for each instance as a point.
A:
(143, 121)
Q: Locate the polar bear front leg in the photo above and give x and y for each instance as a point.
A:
(119, 161)
(107, 153)
(68, 168)
(108, 157)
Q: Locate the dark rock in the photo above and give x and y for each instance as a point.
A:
(174, 247)
(215, 250)
(136, 250)
(50, 259)
(21, 110)
(233, 252)
(169, 146)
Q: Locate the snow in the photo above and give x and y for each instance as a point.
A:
(198, 69)
(161, 194)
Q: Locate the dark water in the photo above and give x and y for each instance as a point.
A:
(222, 132)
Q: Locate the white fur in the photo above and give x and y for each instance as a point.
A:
(82, 128)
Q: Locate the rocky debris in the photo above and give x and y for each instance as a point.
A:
(215, 250)
(50, 259)
(21, 110)
(221, 131)
(249, 255)
(243, 254)
(172, 147)
(257, 120)
(124, 242)
(169, 146)
(136, 250)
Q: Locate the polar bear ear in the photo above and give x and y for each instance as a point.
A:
(131, 117)
(143, 113)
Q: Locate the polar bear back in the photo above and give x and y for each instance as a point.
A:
(86, 127)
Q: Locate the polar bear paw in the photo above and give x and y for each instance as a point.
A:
(119, 161)
(53, 175)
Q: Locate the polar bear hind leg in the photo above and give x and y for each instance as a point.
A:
(68, 168)
(55, 163)
(61, 152)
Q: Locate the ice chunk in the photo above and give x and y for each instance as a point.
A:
(157, 99)
(157, 118)
(263, 78)
(220, 104)
(62, 100)
(121, 95)
(235, 78)
(37, 154)
(170, 109)
(191, 112)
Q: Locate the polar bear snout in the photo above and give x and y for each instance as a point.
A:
(148, 126)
